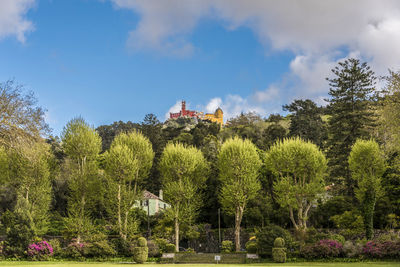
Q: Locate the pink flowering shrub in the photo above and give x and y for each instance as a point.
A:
(40, 250)
(387, 249)
(322, 249)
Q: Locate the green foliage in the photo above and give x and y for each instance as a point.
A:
(339, 238)
(140, 254)
(56, 245)
(18, 231)
(328, 207)
(352, 249)
(349, 222)
(122, 247)
(30, 174)
(279, 242)
(239, 165)
(142, 242)
(82, 145)
(279, 250)
(100, 249)
(251, 247)
(351, 114)
(367, 166)
(266, 237)
(226, 246)
(389, 114)
(124, 167)
(97, 246)
(80, 141)
(141, 251)
(141, 151)
(154, 249)
(76, 251)
(300, 168)
(279, 255)
(306, 121)
(169, 248)
(312, 235)
(183, 171)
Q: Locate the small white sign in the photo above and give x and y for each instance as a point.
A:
(251, 256)
(168, 255)
(217, 257)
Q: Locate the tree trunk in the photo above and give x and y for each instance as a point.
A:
(238, 220)
(369, 206)
(176, 234)
(119, 213)
(292, 218)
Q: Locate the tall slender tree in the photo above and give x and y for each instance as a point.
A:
(184, 172)
(82, 145)
(367, 166)
(351, 114)
(128, 163)
(238, 164)
(30, 168)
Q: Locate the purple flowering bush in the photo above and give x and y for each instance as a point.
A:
(40, 250)
(322, 249)
(387, 249)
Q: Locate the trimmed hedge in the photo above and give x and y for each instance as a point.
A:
(141, 252)
(279, 250)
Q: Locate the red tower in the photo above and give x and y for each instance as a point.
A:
(183, 112)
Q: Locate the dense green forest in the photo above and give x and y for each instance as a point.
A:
(331, 167)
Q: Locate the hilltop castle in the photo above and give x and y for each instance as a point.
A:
(217, 116)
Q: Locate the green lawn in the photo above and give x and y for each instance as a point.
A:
(99, 264)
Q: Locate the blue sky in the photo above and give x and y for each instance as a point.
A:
(121, 59)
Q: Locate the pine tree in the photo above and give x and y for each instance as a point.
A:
(306, 121)
(351, 114)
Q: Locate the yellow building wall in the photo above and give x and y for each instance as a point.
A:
(217, 117)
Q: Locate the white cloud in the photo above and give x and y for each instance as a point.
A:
(318, 33)
(213, 104)
(13, 20)
(267, 95)
(174, 109)
(261, 102)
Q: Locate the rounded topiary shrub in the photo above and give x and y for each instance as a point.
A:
(279, 242)
(141, 251)
(226, 246)
(279, 250)
(279, 255)
(251, 247)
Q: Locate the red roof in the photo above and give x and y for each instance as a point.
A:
(148, 195)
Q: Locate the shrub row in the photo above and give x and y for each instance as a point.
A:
(326, 249)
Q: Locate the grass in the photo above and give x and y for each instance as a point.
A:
(100, 264)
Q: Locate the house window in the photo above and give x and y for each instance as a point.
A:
(145, 203)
